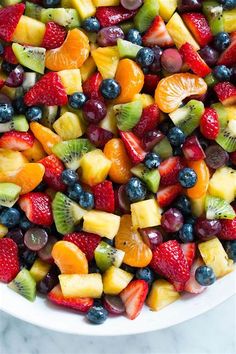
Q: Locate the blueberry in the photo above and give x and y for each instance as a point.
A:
(183, 204)
(110, 89)
(176, 136)
(91, 24)
(128, 268)
(152, 160)
(108, 241)
(6, 112)
(221, 41)
(145, 274)
(34, 114)
(222, 73)
(28, 257)
(7, 67)
(10, 217)
(19, 105)
(25, 224)
(134, 36)
(166, 125)
(230, 248)
(86, 200)
(97, 315)
(187, 177)
(145, 57)
(205, 276)
(228, 4)
(190, 220)
(51, 3)
(40, 187)
(186, 233)
(69, 177)
(77, 100)
(74, 192)
(135, 190)
(1, 49)
(93, 268)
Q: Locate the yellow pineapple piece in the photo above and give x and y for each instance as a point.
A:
(9, 91)
(101, 223)
(39, 269)
(229, 20)
(68, 126)
(11, 161)
(85, 8)
(83, 285)
(214, 256)
(29, 31)
(115, 280)
(107, 60)
(95, 167)
(35, 153)
(145, 214)
(167, 8)
(109, 122)
(98, 3)
(198, 206)
(179, 32)
(161, 295)
(3, 231)
(88, 68)
(71, 80)
(146, 100)
(223, 184)
(231, 112)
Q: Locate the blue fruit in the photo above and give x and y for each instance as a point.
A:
(50, 3)
(228, 4)
(145, 57)
(86, 200)
(91, 24)
(1, 49)
(186, 234)
(183, 204)
(97, 315)
(135, 190)
(10, 217)
(19, 105)
(221, 41)
(74, 192)
(108, 240)
(187, 177)
(190, 220)
(134, 36)
(230, 248)
(7, 67)
(110, 89)
(34, 114)
(25, 224)
(176, 136)
(222, 73)
(205, 276)
(69, 177)
(28, 257)
(152, 160)
(6, 112)
(77, 100)
(145, 274)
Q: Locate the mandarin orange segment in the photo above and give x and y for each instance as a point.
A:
(45, 136)
(35, 153)
(203, 176)
(10, 161)
(72, 53)
(137, 253)
(121, 165)
(171, 90)
(69, 258)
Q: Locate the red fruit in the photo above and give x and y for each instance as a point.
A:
(2, 83)
(98, 136)
(226, 93)
(194, 60)
(37, 208)
(192, 149)
(75, 303)
(232, 157)
(104, 197)
(9, 55)
(18, 141)
(150, 83)
(48, 91)
(209, 124)
(91, 87)
(157, 34)
(133, 147)
(9, 18)
(54, 36)
(167, 195)
(87, 242)
(198, 25)
(189, 250)
(228, 57)
(228, 229)
(169, 170)
(112, 15)
(133, 297)
(53, 170)
(9, 263)
(192, 286)
(149, 120)
(169, 260)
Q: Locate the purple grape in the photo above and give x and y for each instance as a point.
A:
(122, 200)
(4, 99)
(172, 220)
(108, 36)
(155, 67)
(152, 138)
(94, 111)
(189, 5)
(17, 236)
(45, 253)
(16, 77)
(151, 236)
(49, 281)
(131, 4)
(113, 304)
(216, 157)
(35, 239)
(171, 60)
(207, 229)
(209, 55)
(98, 136)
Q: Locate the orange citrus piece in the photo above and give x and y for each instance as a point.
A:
(10, 161)
(71, 54)
(203, 177)
(173, 89)
(45, 136)
(137, 253)
(35, 153)
(69, 258)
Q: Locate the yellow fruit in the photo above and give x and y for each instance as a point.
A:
(9, 91)
(198, 206)
(231, 111)
(161, 295)
(223, 184)
(167, 8)
(39, 269)
(71, 80)
(98, 3)
(3, 231)
(68, 126)
(101, 223)
(10, 161)
(146, 100)
(145, 214)
(87, 69)
(35, 153)
(115, 280)
(107, 60)
(229, 20)
(85, 8)
(109, 122)
(83, 285)
(29, 31)
(94, 167)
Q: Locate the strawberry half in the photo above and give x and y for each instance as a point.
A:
(74, 303)
(133, 147)
(54, 36)
(194, 60)
(192, 149)
(150, 83)
(9, 263)
(86, 241)
(104, 196)
(228, 229)
(91, 87)
(133, 297)
(192, 286)
(9, 55)
(9, 18)
(18, 141)
(209, 124)
(53, 170)
(37, 208)
(228, 57)
(166, 195)
(149, 120)
(112, 15)
(169, 170)
(47, 91)
(198, 25)
(226, 93)
(157, 34)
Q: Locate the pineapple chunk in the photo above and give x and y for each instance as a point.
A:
(214, 256)
(198, 206)
(68, 126)
(107, 60)
(115, 280)
(167, 8)
(146, 100)
(81, 285)
(87, 69)
(85, 8)
(98, 3)
(29, 31)
(71, 80)
(109, 122)
(161, 295)
(231, 112)
(39, 270)
(145, 214)
(226, 177)
(229, 20)
(3, 231)
(179, 32)
(95, 167)
(101, 223)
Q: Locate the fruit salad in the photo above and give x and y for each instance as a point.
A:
(117, 151)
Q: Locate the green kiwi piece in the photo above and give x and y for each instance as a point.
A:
(18, 123)
(218, 208)
(128, 114)
(31, 57)
(222, 114)
(227, 137)
(126, 26)
(24, 284)
(210, 80)
(150, 177)
(32, 10)
(163, 148)
(5, 3)
(9, 193)
(127, 49)
(106, 256)
(146, 15)
(213, 11)
(64, 17)
(30, 80)
(49, 115)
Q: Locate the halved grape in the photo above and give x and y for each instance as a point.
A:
(151, 236)
(216, 157)
(45, 252)
(171, 60)
(113, 304)
(35, 238)
(16, 77)
(17, 236)
(131, 4)
(108, 36)
(122, 200)
(150, 139)
(49, 281)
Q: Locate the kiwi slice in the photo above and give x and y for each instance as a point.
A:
(227, 137)
(71, 151)
(9, 193)
(106, 256)
(163, 148)
(64, 17)
(31, 57)
(222, 114)
(24, 284)
(126, 26)
(146, 15)
(127, 49)
(18, 123)
(30, 80)
(49, 115)
(213, 11)
(218, 208)
(150, 177)
(128, 114)
(32, 10)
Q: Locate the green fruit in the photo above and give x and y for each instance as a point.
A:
(127, 49)
(214, 14)
(222, 114)
(49, 115)
(30, 80)
(210, 80)
(218, 208)
(9, 193)
(128, 114)
(106, 256)
(5, 3)
(32, 10)
(227, 137)
(126, 26)
(24, 284)
(150, 177)
(64, 17)
(31, 57)
(146, 15)
(163, 148)
(18, 123)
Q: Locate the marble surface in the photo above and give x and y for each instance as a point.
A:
(212, 333)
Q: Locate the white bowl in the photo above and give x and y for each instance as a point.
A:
(42, 313)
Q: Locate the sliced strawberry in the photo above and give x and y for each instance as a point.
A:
(149, 120)
(198, 25)
(86, 241)
(228, 57)
(53, 170)
(9, 18)
(194, 60)
(133, 147)
(91, 86)
(157, 34)
(104, 197)
(192, 286)
(18, 141)
(54, 36)
(2, 83)
(47, 91)
(150, 83)
(133, 297)
(228, 229)
(9, 263)
(9, 55)
(112, 15)
(209, 124)
(226, 93)
(192, 149)
(166, 195)
(169, 170)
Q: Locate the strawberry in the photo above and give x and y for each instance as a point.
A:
(54, 36)
(228, 57)
(9, 55)
(133, 147)
(104, 197)
(166, 195)
(18, 141)
(226, 93)
(149, 119)
(9, 263)
(150, 83)
(48, 91)
(9, 18)
(228, 229)
(209, 124)
(37, 208)
(87, 242)
(192, 149)
(169, 260)
(74, 303)
(157, 34)
(169, 170)
(194, 60)
(133, 297)
(232, 157)
(91, 86)
(53, 170)
(192, 286)
(112, 15)
(2, 83)
(198, 25)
